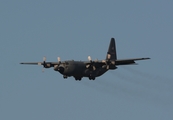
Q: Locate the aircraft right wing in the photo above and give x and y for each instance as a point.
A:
(128, 61)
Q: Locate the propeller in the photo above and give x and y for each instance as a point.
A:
(108, 56)
(56, 67)
(44, 63)
(89, 58)
(59, 60)
(49, 64)
(107, 66)
(108, 61)
(91, 64)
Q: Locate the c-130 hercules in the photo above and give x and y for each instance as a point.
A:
(90, 69)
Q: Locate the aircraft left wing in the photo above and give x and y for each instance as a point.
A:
(98, 64)
(128, 61)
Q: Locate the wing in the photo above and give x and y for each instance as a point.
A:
(32, 63)
(128, 61)
(97, 64)
(48, 64)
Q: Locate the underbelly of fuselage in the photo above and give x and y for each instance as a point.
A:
(83, 72)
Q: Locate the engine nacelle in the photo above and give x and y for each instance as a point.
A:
(56, 67)
(47, 65)
(59, 68)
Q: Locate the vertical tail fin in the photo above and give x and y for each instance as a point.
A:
(111, 54)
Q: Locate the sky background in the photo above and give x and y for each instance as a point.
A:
(75, 29)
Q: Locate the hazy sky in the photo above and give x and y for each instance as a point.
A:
(32, 29)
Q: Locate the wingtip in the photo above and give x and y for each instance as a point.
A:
(146, 58)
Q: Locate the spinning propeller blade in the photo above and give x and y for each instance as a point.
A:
(91, 65)
(44, 63)
(59, 59)
(89, 58)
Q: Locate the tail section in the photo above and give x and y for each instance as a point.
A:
(111, 54)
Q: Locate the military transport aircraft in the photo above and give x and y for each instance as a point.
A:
(90, 68)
